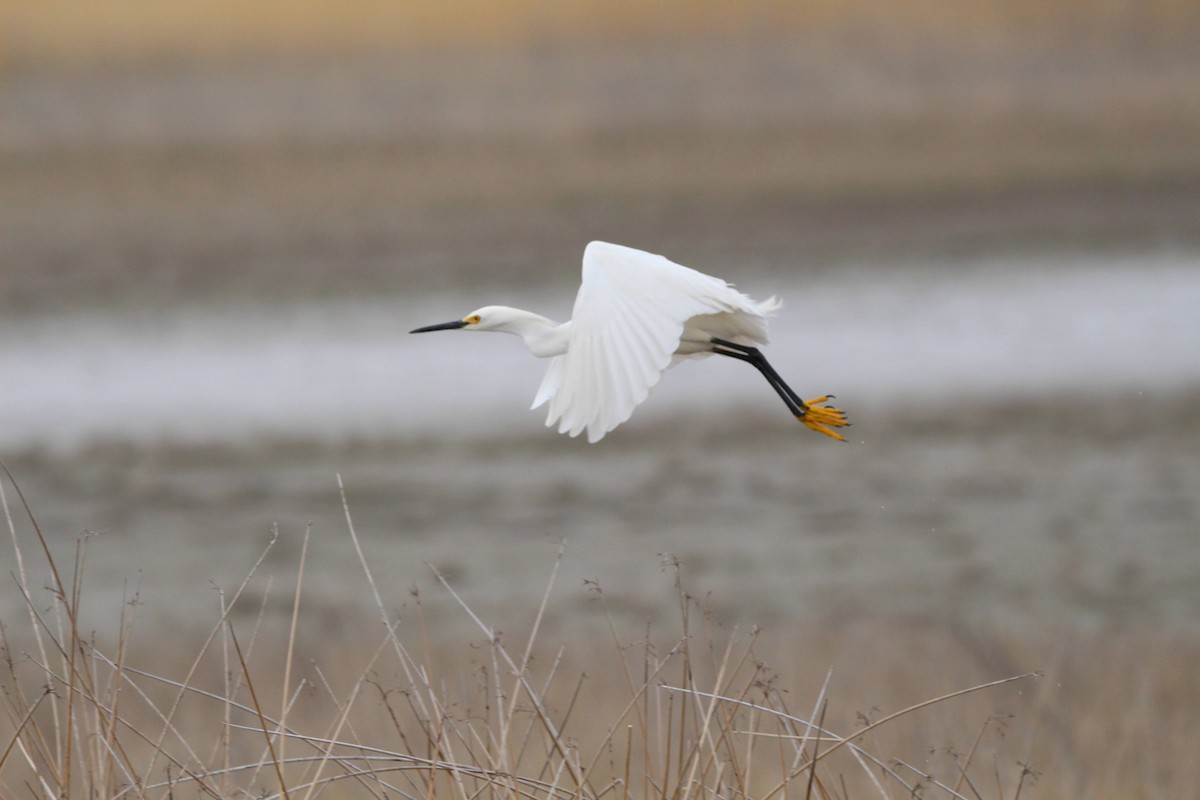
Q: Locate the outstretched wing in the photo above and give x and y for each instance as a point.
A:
(627, 322)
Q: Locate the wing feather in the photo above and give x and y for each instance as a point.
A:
(635, 368)
(626, 325)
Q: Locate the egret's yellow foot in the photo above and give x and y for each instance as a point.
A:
(822, 418)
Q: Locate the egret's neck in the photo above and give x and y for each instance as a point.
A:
(543, 337)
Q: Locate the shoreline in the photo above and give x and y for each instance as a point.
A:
(1016, 511)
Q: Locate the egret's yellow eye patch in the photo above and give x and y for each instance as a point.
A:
(472, 320)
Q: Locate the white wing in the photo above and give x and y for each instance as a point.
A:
(628, 319)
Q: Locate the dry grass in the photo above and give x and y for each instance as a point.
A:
(123, 30)
(258, 708)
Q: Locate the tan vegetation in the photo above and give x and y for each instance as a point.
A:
(267, 706)
(123, 30)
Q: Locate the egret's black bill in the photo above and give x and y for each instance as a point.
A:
(445, 326)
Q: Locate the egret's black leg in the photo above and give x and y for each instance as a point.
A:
(819, 418)
(756, 359)
(752, 355)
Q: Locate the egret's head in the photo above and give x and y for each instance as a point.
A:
(488, 318)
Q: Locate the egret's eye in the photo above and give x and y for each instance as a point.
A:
(472, 320)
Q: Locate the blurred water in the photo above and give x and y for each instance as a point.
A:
(341, 369)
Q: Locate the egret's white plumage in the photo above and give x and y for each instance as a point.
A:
(635, 315)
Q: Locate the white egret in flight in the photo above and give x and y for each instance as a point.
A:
(635, 315)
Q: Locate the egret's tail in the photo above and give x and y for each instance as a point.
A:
(823, 419)
(769, 306)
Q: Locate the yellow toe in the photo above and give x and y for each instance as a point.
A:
(822, 418)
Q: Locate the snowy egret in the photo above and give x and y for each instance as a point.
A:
(635, 315)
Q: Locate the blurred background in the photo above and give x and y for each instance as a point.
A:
(219, 220)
